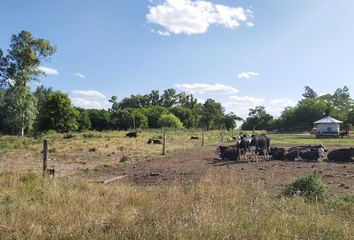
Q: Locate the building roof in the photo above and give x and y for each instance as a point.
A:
(328, 119)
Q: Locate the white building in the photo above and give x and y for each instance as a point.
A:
(327, 127)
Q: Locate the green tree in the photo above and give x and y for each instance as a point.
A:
(19, 109)
(169, 121)
(100, 119)
(229, 121)
(309, 93)
(59, 114)
(212, 113)
(185, 115)
(83, 120)
(17, 69)
(258, 119)
(2, 109)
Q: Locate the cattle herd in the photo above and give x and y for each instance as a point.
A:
(252, 147)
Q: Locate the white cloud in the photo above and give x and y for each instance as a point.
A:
(195, 16)
(283, 102)
(89, 103)
(88, 94)
(166, 33)
(247, 75)
(250, 24)
(89, 99)
(240, 105)
(204, 88)
(80, 75)
(48, 71)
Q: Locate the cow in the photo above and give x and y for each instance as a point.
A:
(228, 152)
(154, 141)
(194, 138)
(342, 155)
(277, 153)
(242, 144)
(306, 154)
(132, 134)
(344, 134)
(260, 144)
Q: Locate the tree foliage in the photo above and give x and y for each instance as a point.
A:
(59, 114)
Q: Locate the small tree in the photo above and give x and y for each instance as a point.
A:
(170, 121)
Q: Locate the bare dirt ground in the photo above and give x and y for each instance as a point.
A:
(192, 165)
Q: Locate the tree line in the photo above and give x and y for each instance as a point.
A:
(25, 111)
(309, 109)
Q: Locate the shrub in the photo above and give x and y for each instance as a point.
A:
(68, 136)
(310, 187)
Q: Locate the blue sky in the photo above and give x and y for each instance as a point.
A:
(242, 53)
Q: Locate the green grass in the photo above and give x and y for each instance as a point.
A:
(215, 208)
(304, 139)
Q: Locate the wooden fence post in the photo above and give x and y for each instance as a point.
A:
(222, 136)
(45, 157)
(164, 143)
(203, 137)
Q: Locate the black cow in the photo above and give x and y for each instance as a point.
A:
(344, 134)
(260, 144)
(342, 155)
(194, 138)
(228, 152)
(277, 153)
(132, 134)
(306, 154)
(242, 144)
(154, 141)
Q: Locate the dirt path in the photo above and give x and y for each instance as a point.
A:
(195, 164)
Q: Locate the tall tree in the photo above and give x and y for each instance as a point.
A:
(309, 93)
(19, 109)
(17, 69)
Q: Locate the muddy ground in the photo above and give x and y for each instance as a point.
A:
(194, 164)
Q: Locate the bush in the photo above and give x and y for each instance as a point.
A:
(68, 136)
(310, 187)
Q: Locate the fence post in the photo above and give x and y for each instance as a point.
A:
(164, 143)
(203, 137)
(222, 136)
(45, 157)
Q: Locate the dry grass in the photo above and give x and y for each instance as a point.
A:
(215, 208)
(73, 154)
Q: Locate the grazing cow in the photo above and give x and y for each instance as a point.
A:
(344, 134)
(132, 134)
(194, 138)
(342, 155)
(154, 141)
(260, 144)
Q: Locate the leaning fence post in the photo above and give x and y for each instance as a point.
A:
(45, 156)
(164, 143)
(203, 137)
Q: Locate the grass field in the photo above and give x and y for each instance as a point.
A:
(214, 208)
